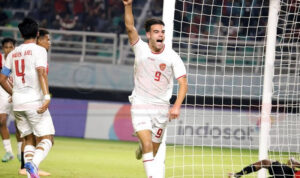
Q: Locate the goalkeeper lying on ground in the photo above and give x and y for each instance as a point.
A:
(275, 168)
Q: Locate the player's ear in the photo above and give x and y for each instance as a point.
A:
(148, 35)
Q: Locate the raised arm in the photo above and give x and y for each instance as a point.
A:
(129, 22)
(175, 110)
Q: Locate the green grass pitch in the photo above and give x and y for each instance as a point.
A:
(74, 157)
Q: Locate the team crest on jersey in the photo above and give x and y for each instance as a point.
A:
(162, 66)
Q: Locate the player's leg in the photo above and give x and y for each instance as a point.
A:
(159, 120)
(159, 160)
(27, 134)
(5, 138)
(145, 137)
(44, 145)
(141, 122)
(253, 168)
(43, 130)
(21, 146)
(20, 143)
(29, 152)
(22, 170)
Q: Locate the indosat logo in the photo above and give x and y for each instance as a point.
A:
(214, 131)
(122, 129)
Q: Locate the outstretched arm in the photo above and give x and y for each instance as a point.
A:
(252, 168)
(43, 78)
(129, 22)
(175, 110)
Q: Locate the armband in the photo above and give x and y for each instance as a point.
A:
(5, 71)
(47, 97)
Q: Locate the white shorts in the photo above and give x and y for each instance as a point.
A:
(31, 122)
(149, 117)
(5, 105)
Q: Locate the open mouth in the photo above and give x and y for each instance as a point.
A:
(160, 41)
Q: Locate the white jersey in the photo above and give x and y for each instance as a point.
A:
(23, 62)
(154, 73)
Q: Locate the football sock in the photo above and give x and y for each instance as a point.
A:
(22, 160)
(159, 160)
(40, 154)
(28, 153)
(148, 162)
(247, 170)
(7, 145)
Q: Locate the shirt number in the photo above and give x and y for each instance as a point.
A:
(157, 76)
(20, 72)
(159, 133)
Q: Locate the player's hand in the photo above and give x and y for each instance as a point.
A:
(9, 99)
(44, 107)
(127, 2)
(174, 112)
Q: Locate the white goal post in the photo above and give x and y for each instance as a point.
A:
(243, 69)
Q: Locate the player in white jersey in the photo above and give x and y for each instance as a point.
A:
(154, 69)
(43, 40)
(28, 65)
(8, 44)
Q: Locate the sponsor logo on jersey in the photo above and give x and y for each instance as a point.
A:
(162, 66)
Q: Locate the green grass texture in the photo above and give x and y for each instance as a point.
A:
(78, 158)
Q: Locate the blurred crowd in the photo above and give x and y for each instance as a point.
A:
(231, 18)
(80, 15)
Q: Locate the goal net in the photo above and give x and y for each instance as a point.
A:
(223, 44)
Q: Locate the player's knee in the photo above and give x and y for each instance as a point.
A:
(44, 144)
(52, 140)
(48, 137)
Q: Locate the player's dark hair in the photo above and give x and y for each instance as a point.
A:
(8, 40)
(28, 28)
(43, 32)
(151, 22)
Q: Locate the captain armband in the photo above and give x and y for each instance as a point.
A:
(5, 71)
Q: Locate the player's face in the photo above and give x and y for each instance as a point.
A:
(156, 37)
(44, 42)
(7, 48)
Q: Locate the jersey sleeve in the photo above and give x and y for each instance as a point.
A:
(178, 66)
(138, 47)
(41, 58)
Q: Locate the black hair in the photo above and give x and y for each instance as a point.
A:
(151, 22)
(7, 40)
(28, 28)
(43, 32)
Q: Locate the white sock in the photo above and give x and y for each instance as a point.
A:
(40, 154)
(28, 153)
(7, 145)
(19, 147)
(159, 161)
(148, 161)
